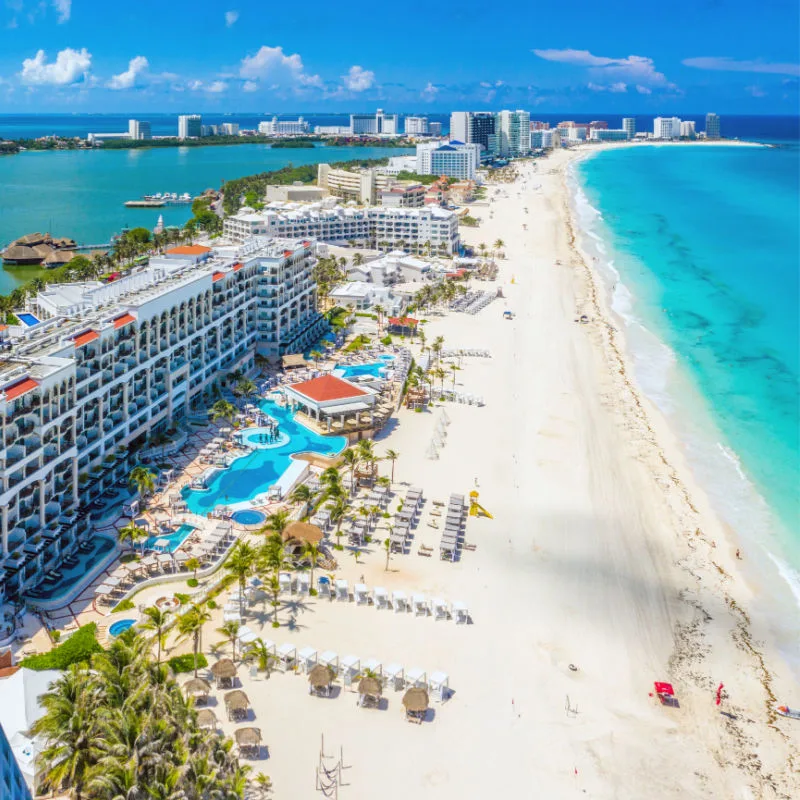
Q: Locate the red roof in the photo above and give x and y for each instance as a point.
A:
(459, 273)
(189, 250)
(237, 266)
(664, 688)
(404, 322)
(85, 338)
(326, 388)
(125, 319)
(20, 387)
(288, 253)
(217, 276)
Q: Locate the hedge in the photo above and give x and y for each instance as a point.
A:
(186, 663)
(79, 647)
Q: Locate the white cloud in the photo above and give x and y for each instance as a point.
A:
(230, 18)
(250, 86)
(281, 70)
(755, 91)
(71, 66)
(725, 64)
(614, 88)
(429, 92)
(63, 9)
(215, 87)
(137, 68)
(359, 79)
(644, 90)
(631, 69)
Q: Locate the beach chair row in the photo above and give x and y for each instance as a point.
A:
(452, 536)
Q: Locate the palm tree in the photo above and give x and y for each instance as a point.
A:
(437, 346)
(261, 653)
(132, 533)
(499, 244)
(338, 508)
(358, 259)
(193, 564)
(272, 556)
(241, 563)
(276, 522)
(230, 630)
(222, 409)
(351, 460)
(316, 355)
(392, 455)
(143, 480)
(304, 495)
(313, 552)
(245, 388)
(156, 622)
(273, 586)
(190, 626)
(387, 546)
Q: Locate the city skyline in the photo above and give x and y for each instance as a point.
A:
(59, 56)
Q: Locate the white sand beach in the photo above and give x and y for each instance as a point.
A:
(601, 554)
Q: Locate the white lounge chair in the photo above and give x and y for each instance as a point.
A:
(416, 677)
(307, 659)
(439, 607)
(394, 676)
(438, 686)
(342, 590)
(361, 594)
(460, 613)
(323, 587)
(285, 581)
(420, 605)
(399, 601)
(303, 583)
(380, 597)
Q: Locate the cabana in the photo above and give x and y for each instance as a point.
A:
(415, 702)
(224, 672)
(361, 594)
(404, 326)
(320, 679)
(369, 692)
(328, 397)
(306, 658)
(380, 597)
(237, 705)
(197, 689)
(248, 741)
(302, 532)
(206, 719)
(460, 613)
(438, 685)
(342, 590)
(349, 668)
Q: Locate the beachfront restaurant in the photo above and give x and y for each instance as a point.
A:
(334, 403)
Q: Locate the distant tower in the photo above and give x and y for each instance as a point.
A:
(712, 126)
(159, 228)
(629, 126)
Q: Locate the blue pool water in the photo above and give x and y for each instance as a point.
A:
(27, 319)
(175, 539)
(121, 625)
(260, 437)
(701, 250)
(374, 368)
(248, 517)
(253, 474)
(101, 547)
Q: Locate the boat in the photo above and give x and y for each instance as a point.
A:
(785, 711)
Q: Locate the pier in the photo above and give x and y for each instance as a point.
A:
(161, 200)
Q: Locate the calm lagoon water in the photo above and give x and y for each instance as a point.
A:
(81, 194)
(700, 247)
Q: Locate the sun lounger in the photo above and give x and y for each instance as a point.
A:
(303, 583)
(399, 601)
(420, 605)
(460, 613)
(361, 594)
(426, 553)
(380, 597)
(342, 590)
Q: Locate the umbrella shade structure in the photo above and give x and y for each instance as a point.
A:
(248, 740)
(224, 671)
(206, 719)
(236, 704)
(302, 532)
(369, 692)
(415, 702)
(320, 679)
(198, 689)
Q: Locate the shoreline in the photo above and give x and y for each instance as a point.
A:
(688, 502)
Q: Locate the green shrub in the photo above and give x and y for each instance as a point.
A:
(387, 340)
(183, 599)
(338, 547)
(212, 604)
(123, 605)
(192, 583)
(186, 663)
(79, 647)
(55, 635)
(276, 624)
(128, 557)
(313, 592)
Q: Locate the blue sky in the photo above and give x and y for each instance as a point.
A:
(731, 56)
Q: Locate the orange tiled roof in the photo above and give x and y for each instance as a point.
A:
(189, 250)
(237, 266)
(125, 319)
(85, 338)
(326, 388)
(217, 276)
(20, 387)
(404, 322)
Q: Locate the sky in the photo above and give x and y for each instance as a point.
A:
(728, 56)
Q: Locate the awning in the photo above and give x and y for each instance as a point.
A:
(125, 319)
(20, 387)
(664, 688)
(85, 338)
(217, 276)
(345, 408)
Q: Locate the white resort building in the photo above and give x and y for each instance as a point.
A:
(404, 228)
(93, 369)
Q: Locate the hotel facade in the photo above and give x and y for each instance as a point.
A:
(405, 228)
(98, 368)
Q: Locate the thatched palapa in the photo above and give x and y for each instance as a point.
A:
(415, 701)
(206, 719)
(320, 679)
(236, 703)
(197, 688)
(369, 691)
(224, 671)
(302, 532)
(248, 740)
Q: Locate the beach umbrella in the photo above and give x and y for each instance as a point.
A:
(206, 719)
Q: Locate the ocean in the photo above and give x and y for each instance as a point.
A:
(700, 250)
(81, 194)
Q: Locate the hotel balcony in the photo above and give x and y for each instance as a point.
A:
(14, 454)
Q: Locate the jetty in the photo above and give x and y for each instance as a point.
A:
(160, 200)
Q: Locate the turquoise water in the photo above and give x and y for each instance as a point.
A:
(81, 194)
(701, 249)
(253, 474)
(101, 547)
(120, 626)
(248, 516)
(175, 539)
(356, 370)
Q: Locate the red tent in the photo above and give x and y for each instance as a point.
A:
(664, 691)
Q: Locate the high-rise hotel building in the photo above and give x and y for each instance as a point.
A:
(94, 368)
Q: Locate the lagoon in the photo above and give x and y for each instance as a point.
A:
(81, 193)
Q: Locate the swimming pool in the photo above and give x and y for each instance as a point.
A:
(373, 368)
(175, 539)
(263, 437)
(27, 319)
(70, 580)
(120, 626)
(249, 516)
(253, 474)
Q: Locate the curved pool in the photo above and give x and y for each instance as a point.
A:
(262, 438)
(249, 516)
(120, 626)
